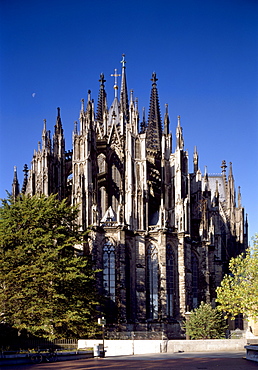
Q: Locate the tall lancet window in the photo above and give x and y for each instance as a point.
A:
(109, 270)
(170, 277)
(195, 279)
(152, 282)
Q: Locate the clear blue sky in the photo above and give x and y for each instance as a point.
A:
(203, 51)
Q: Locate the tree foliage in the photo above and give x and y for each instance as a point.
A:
(205, 322)
(238, 292)
(45, 287)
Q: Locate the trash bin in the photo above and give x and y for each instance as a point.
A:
(96, 350)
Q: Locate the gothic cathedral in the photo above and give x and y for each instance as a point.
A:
(162, 236)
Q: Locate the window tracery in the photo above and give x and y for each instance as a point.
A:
(170, 270)
(109, 270)
(152, 281)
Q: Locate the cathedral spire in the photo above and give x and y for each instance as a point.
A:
(58, 125)
(102, 99)
(123, 94)
(58, 137)
(15, 185)
(46, 141)
(44, 135)
(216, 195)
(239, 198)
(143, 123)
(195, 159)
(25, 180)
(154, 129)
(179, 135)
(166, 121)
(230, 170)
(206, 180)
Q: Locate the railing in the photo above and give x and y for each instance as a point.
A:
(41, 343)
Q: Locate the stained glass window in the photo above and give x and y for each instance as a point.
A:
(152, 282)
(109, 270)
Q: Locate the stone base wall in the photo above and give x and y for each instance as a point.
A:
(133, 347)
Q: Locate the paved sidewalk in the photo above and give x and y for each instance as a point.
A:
(172, 361)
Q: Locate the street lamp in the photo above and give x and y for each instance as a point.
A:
(102, 321)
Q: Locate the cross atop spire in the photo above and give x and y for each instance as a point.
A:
(123, 61)
(115, 75)
(154, 79)
(102, 79)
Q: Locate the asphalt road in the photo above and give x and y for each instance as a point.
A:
(178, 361)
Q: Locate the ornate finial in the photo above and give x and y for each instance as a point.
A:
(25, 180)
(143, 123)
(89, 95)
(25, 169)
(178, 121)
(123, 61)
(102, 80)
(131, 96)
(58, 112)
(166, 108)
(230, 169)
(82, 108)
(75, 128)
(15, 185)
(239, 197)
(223, 166)
(154, 78)
(115, 85)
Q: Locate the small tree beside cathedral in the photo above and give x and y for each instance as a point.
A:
(205, 322)
(46, 287)
(238, 292)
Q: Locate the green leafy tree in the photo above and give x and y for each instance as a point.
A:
(238, 292)
(46, 288)
(205, 322)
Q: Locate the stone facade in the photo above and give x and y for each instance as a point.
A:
(161, 235)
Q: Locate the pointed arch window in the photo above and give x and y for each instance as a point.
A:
(152, 282)
(128, 283)
(109, 270)
(170, 280)
(195, 283)
(101, 163)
